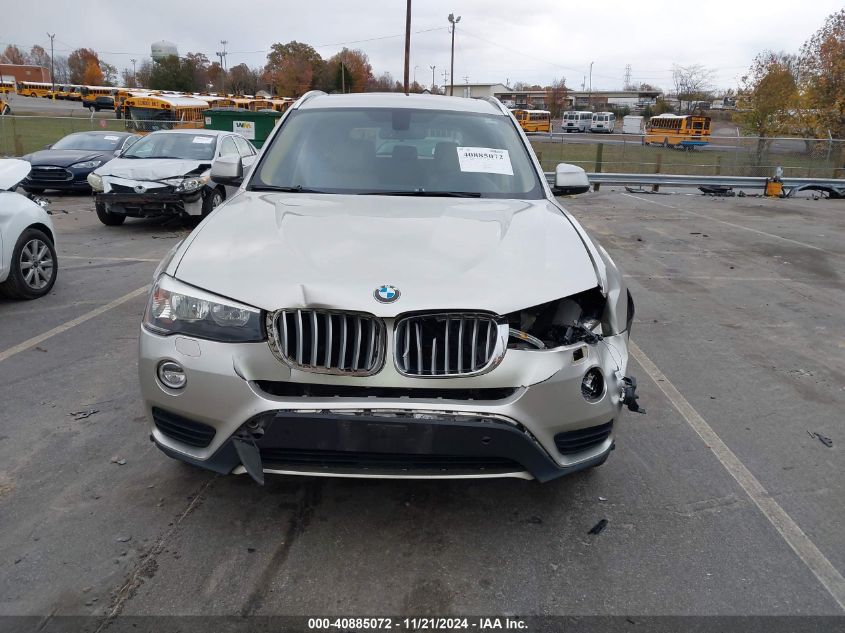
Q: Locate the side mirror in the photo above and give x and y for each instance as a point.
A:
(228, 170)
(117, 152)
(48, 146)
(570, 180)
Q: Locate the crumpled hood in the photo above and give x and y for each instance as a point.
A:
(67, 157)
(295, 250)
(149, 168)
(12, 171)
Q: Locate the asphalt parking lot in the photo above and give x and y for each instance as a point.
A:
(718, 501)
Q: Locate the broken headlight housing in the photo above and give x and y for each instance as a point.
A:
(95, 181)
(188, 184)
(573, 319)
(177, 308)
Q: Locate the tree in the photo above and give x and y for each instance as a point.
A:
(142, 74)
(39, 57)
(128, 78)
(79, 61)
(61, 70)
(170, 73)
(556, 97)
(216, 76)
(292, 68)
(242, 80)
(197, 64)
(692, 83)
(822, 63)
(13, 55)
(382, 83)
(347, 71)
(109, 74)
(92, 76)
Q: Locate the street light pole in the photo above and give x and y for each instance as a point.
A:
(407, 43)
(454, 22)
(134, 75)
(52, 75)
(590, 97)
(432, 78)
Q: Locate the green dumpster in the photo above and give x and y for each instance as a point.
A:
(254, 126)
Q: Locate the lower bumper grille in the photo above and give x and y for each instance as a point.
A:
(313, 390)
(571, 442)
(182, 429)
(385, 461)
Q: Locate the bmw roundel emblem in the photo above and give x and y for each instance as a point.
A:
(386, 293)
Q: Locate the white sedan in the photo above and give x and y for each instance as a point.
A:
(28, 263)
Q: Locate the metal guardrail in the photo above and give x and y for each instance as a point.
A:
(832, 185)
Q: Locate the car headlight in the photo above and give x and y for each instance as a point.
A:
(95, 181)
(573, 319)
(190, 183)
(88, 164)
(177, 308)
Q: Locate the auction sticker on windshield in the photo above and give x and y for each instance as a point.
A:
(485, 160)
(204, 140)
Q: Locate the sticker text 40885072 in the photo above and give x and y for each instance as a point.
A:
(486, 160)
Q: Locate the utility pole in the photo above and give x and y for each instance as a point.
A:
(590, 97)
(454, 22)
(432, 78)
(627, 77)
(52, 77)
(222, 56)
(445, 80)
(407, 43)
(134, 76)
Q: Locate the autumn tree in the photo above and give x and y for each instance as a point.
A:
(39, 57)
(142, 74)
(766, 98)
(216, 76)
(13, 55)
(79, 62)
(243, 80)
(556, 97)
(692, 83)
(93, 76)
(382, 83)
(292, 68)
(822, 63)
(127, 78)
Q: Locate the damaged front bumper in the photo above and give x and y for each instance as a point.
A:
(241, 410)
(152, 203)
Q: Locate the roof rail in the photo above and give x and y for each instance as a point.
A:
(308, 95)
(496, 104)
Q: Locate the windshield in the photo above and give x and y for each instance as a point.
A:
(398, 151)
(96, 142)
(173, 145)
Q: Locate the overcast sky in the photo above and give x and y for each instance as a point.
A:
(495, 42)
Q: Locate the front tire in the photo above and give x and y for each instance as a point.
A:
(108, 218)
(213, 200)
(34, 267)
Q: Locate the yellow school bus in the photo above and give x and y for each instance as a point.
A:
(7, 86)
(163, 112)
(534, 120)
(34, 88)
(246, 103)
(90, 93)
(4, 107)
(280, 104)
(672, 130)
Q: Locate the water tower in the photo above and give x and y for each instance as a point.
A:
(162, 49)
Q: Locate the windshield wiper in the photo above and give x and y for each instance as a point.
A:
(423, 193)
(294, 189)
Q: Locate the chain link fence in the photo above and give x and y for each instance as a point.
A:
(618, 153)
(724, 156)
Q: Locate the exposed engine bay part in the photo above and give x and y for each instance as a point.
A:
(578, 318)
(629, 395)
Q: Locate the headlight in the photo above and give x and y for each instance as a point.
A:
(189, 184)
(88, 164)
(95, 181)
(562, 322)
(175, 307)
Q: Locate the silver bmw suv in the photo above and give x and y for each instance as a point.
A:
(393, 291)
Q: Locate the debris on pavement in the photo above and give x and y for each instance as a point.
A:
(81, 415)
(821, 438)
(123, 539)
(598, 527)
(118, 461)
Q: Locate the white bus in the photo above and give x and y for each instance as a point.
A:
(576, 121)
(603, 122)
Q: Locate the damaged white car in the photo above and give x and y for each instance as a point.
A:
(394, 292)
(167, 173)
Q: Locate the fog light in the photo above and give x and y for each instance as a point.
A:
(592, 386)
(172, 374)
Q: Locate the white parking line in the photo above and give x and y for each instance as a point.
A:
(800, 543)
(736, 226)
(64, 327)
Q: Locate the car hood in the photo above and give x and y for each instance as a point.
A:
(67, 157)
(151, 168)
(276, 251)
(12, 171)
